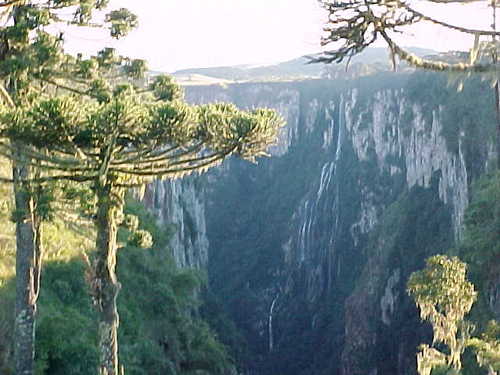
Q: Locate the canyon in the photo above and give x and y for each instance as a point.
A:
(309, 251)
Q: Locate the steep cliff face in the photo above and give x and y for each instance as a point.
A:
(179, 204)
(310, 250)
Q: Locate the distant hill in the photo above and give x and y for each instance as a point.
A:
(371, 60)
(297, 68)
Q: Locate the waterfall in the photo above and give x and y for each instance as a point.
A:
(271, 343)
(341, 129)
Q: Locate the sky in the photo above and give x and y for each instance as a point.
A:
(180, 34)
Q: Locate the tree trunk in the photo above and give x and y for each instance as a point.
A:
(496, 86)
(497, 101)
(29, 251)
(27, 272)
(107, 287)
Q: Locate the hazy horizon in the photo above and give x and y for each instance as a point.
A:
(177, 35)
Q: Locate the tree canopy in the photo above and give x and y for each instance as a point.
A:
(33, 63)
(134, 136)
(116, 137)
(68, 118)
(445, 296)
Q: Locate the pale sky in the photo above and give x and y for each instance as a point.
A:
(178, 34)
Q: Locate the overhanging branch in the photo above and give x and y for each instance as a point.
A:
(438, 66)
(450, 26)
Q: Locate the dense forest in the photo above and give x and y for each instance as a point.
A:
(347, 221)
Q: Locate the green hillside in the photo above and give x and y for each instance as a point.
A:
(160, 328)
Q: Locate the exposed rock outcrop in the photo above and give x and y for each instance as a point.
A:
(179, 204)
(310, 250)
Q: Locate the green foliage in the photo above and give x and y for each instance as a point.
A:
(135, 68)
(480, 245)
(78, 196)
(487, 352)
(65, 309)
(172, 339)
(131, 222)
(481, 249)
(169, 335)
(444, 297)
(412, 228)
(443, 294)
(171, 122)
(100, 90)
(108, 58)
(161, 332)
(62, 245)
(7, 269)
(87, 69)
(141, 238)
(31, 63)
(224, 126)
(163, 88)
(140, 138)
(138, 218)
(32, 58)
(84, 8)
(121, 22)
(44, 203)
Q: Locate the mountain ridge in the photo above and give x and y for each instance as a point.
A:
(299, 68)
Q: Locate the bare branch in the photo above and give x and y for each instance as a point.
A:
(39, 156)
(7, 99)
(54, 178)
(9, 3)
(68, 88)
(202, 164)
(438, 66)
(450, 26)
(161, 156)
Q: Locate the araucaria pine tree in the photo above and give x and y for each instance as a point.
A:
(31, 61)
(122, 138)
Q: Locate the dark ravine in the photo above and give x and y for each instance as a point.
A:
(310, 250)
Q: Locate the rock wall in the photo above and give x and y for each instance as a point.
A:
(179, 204)
(311, 249)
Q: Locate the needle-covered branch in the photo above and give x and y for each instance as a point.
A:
(48, 161)
(34, 67)
(153, 154)
(126, 138)
(10, 3)
(137, 178)
(450, 26)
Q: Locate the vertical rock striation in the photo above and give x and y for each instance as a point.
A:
(179, 204)
(311, 249)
